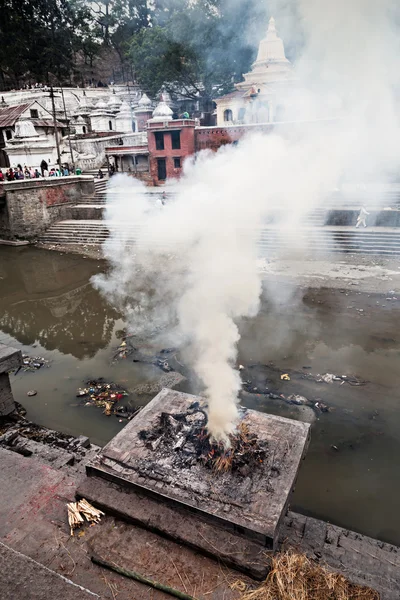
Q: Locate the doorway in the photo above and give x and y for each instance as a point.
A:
(162, 170)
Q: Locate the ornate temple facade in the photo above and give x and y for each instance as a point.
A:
(263, 95)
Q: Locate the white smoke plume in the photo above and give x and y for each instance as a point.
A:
(193, 268)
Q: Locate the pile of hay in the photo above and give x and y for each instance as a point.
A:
(293, 576)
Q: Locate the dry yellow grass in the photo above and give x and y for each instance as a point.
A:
(293, 576)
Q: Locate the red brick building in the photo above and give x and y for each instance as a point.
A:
(170, 141)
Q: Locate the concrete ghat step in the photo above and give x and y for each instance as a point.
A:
(317, 239)
(22, 577)
(175, 524)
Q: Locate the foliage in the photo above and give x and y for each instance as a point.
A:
(195, 49)
(39, 38)
(187, 47)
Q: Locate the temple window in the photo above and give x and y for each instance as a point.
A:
(228, 115)
(8, 134)
(176, 140)
(110, 125)
(177, 162)
(159, 135)
(34, 113)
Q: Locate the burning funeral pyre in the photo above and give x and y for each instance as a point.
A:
(166, 452)
(185, 434)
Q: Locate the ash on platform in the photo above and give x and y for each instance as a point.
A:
(183, 437)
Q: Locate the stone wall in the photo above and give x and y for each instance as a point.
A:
(95, 147)
(10, 358)
(213, 138)
(29, 207)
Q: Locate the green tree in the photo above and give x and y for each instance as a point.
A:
(39, 38)
(196, 48)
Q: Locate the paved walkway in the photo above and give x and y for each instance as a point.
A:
(33, 522)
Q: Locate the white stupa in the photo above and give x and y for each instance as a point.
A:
(29, 148)
(102, 118)
(144, 101)
(271, 64)
(162, 112)
(114, 103)
(123, 119)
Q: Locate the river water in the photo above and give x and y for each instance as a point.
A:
(48, 308)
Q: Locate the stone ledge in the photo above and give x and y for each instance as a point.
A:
(10, 358)
(172, 523)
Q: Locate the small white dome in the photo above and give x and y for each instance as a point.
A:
(124, 109)
(144, 101)
(25, 129)
(114, 101)
(162, 112)
(101, 105)
(80, 121)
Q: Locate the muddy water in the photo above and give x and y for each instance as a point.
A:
(349, 477)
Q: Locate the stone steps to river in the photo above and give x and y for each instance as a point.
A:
(377, 240)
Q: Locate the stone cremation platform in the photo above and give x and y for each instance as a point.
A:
(159, 455)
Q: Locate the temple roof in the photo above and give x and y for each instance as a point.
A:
(271, 64)
(8, 116)
(144, 100)
(271, 48)
(25, 129)
(125, 109)
(114, 101)
(162, 112)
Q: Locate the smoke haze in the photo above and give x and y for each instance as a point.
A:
(193, 273)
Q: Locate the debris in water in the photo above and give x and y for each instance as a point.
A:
(297, 399)
(328, 377)
(103, 394)
(31, 393)
(32, 363)
(285, 377)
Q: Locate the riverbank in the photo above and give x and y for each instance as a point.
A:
(334, 330)
(368, 273)
(33, 522)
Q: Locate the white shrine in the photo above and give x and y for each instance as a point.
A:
(123, 119)
(28, 148)
(260, 98)
(102, 118)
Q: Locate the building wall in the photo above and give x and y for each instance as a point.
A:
(95, 147)
(31, 157)
(141, 118)
(187, 146)
(102, 123)
(29, 207)
(214, 137)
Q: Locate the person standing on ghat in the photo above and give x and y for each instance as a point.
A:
(361, 219)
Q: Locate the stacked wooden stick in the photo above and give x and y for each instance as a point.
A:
(77, 509)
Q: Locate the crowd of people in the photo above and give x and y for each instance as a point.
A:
(16, 173)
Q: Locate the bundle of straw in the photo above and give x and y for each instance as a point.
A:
(295, 577)
(90, 512)
(75, 518)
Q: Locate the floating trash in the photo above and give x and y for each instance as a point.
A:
(103, 394)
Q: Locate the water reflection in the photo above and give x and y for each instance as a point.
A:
(46, 298)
